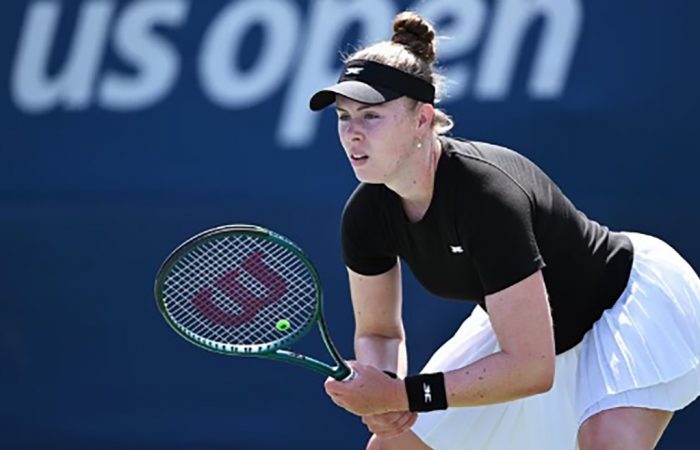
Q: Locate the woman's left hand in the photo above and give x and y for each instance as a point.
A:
(370, 392)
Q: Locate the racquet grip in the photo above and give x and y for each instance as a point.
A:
(351, 375)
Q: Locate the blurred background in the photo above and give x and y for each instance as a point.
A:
(127, 126)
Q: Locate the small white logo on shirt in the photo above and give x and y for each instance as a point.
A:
(456, 249)
(353, 70)
(427, 397)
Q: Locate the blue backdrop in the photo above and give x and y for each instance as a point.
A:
(129, 125)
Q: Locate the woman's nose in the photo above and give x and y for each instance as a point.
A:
(352, 130)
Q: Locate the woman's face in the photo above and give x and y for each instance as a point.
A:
(378, 139)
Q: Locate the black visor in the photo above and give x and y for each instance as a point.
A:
(373, 83)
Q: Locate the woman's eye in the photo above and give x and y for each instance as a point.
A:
(371, 116)
(342, 117)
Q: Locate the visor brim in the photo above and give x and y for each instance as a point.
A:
(354, 90)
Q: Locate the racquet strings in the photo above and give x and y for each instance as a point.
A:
(233, 291)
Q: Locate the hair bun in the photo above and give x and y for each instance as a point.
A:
(415, 33)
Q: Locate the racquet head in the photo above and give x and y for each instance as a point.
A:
(239, 289)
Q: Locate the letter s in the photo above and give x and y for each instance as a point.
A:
(156, 61)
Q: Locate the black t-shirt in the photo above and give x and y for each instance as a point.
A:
(495, 218)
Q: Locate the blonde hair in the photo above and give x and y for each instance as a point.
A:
(412, 49)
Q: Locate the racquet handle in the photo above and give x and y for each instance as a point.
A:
(351, 376)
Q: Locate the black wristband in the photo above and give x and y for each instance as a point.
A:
(426, 392)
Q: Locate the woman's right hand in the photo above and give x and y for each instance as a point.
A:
(390, 424)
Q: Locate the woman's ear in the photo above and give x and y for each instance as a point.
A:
(426, 113)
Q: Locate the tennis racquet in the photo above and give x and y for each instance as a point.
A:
(247, 291)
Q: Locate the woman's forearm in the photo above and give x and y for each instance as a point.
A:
(382, 352)
(497, 378)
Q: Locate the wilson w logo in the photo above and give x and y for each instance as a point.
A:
(250, 302)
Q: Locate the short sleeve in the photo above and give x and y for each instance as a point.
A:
(498, 226)
(365, 235)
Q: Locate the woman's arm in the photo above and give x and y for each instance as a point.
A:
(524, 366)
(379, 334)
(380, 339)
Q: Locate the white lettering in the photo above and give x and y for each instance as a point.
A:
(223, 82)
(32, 89)
(304, 53)
(552, 61)
(427, 396)
(157, 61)
(330, 20)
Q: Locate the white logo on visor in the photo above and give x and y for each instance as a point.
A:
(353, 70)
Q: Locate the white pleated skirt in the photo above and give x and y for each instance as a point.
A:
(643, 352)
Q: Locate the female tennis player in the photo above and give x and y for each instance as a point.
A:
(581, 336)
